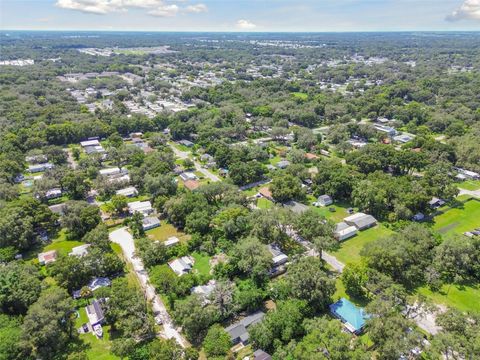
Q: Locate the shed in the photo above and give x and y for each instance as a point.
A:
(361, 221)
(324, 200)
(150, 222)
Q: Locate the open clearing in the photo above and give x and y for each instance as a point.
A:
(457, 220)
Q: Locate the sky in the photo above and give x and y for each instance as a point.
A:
(241, 15)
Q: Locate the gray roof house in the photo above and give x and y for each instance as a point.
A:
(150, 222)
(261, 355)
(343, 231)
(95, 313)
(296, 207)
(361, 221)
(283, 164)
(324, 200)
(238, 331)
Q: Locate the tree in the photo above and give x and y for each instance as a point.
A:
(326, 340)
(403, 256)
(10, 337)
(252, 258)
(248, 296)
(49, 324)
(79, 218)
(334, 179)
(355, 279)
(20, 221)
(75, 184)
(136, 225)
(70, 272)
(280, 325)
(20, 287)
(217, 341)
(222, 297)
(151, 253)
(119, 203)
(286, 187)
(270, 225)
(310, 282)
(188, 163)
(195, 318)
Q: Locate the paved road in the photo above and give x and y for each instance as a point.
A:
(185, 154)
(474, 193)
(125, 240)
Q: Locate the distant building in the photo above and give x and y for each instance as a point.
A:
(171, 241)
(361, 221)
(261, 355)
(182, 265)
(150, 222)
(324, 200)
(130, 191)
(143, 207)
(53, 193)
(188, 176)
(40, 167)
(80, 251)
(238, 331)
(283, 164)
(47, 257)
(186, 143)
(436, 203)
(296, 207)
(343, 231)
(95, 313)
(390, 131)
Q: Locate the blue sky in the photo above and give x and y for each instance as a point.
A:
(241, 15)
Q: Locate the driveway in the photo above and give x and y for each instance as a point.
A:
(474, 193)
(126, 242)
(186, 155)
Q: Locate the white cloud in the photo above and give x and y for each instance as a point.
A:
(245, 24)
(102, 7)
(470, 9)
(197, 8)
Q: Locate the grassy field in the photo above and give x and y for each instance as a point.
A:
(349, 250)
(202, 263)
(470, 185)
(164, 231)
(463, 298)
(457, 220)
(61, 244)
(263, 203)
(338, 215)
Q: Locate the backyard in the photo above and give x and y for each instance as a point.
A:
(165, 231)
(457, 220)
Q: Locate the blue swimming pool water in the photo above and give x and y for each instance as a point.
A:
(348, 312)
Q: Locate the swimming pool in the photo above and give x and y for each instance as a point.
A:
(352, 316)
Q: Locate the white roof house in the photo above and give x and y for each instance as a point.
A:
(110, 171)
(144, 207)
(361, 221)
(188, 176)
(344, 231)
(53, 193)
(278, 257)
(204, 291)
(90, 143)
(324, 200)
(182, 265)
(130, 191)
(80, 251)
(150, 222)
(171, 241)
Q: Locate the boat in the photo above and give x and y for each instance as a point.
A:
(97, 329)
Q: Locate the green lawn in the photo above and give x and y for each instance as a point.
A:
(463, 298)
(470, 185)
(164, 231)
(457, 220)
(349, 250)
(337, 216)
(263, 203)
(300, 95)
(61, 244)
(202, 263)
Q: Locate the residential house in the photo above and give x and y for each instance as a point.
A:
(296, 207)
(182, 265)
(390, 131)
(92, 142)
(191, 184)
(171, 241)
(95, 313)
(261, 355)
(39, 167)
(188, 176)
(283, 164)
(204, 291)
(80, 251)
(344, 231)
(58, 208)
(403, 138)
(361, 221)
(47, 257)
(418, 217)
(436, 203)
(53, 193)
(186, 143)
(143, 207)
(238, 331)
(113, 171)
(150, 222)
(278, 257)
(324, 200)
(130, 191)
